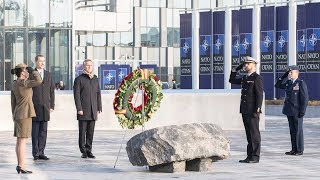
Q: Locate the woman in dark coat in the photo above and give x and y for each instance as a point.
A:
(23, 109)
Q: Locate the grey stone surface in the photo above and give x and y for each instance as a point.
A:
(65, 162)
(203, 164)
(177, 143)
(178, 166)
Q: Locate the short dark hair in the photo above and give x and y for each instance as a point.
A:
(17, 71)
(87, 60)
(37, 57)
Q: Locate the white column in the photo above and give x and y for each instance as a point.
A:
(227, 47)
(256, 35)
(73, 47)
(195, 46)
(292, 52)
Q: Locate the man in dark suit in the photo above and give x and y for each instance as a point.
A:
(87, 98)
(250, 106)
(43, 100)
(295, 106)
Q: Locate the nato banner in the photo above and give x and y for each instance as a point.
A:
(282, 39)
(185, 51)
(245, 33)
(267, 38)
(301, 37)
(108, 76)
(205, 50)
(218, 24)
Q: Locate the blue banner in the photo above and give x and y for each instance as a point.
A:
(267, 38)
(108, 77)
(79, 69)
(185, 51)
(122, 72)
(218, 23)
(205, 42)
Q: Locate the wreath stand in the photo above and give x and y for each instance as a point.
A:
(142, 87)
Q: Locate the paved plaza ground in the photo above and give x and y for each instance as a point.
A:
(65, 161)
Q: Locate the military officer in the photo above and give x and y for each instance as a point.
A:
(295, 106)
(250, 106)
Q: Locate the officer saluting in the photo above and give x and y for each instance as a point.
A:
(250, 106)
(295, 106)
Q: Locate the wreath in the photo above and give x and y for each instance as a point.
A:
(140, 80)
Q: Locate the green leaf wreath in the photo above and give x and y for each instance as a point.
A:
(140, 79)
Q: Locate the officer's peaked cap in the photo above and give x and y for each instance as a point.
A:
(249, 59)
(293, 67)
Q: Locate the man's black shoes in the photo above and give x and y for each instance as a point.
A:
(291, 153)
(43, 157)
(90, 155)
(249, 160)
(299, 153)
(84, 155)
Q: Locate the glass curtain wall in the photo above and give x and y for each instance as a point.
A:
(31, 27)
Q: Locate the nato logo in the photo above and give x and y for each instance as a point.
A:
(205, 45)
(302, 40)
(281, 41)
(122, 73)
(218, 44)
(236, 45)
(186, 47)
(313, 39)
(267, 41)
(245, 43)
(109, 76)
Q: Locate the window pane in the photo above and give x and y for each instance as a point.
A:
(2, 63)
(126, 39)
(38, 40)
(204, 3)
(143, 17)
(38, 17)
(61, 13)
(1, 16)
(15, 52)
(15, 13)
(60, 56)
(99, 39)
(152, 17)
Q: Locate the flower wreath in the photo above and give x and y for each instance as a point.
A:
(140, 79)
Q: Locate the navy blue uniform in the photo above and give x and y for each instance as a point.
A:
(250, 108)
(295, 105)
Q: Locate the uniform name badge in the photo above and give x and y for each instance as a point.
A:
(296, 87)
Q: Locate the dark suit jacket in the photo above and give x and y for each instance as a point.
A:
(87, 97)
(43, 98)
(251, 92)
(297, 97)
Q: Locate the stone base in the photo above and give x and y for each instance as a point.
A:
(198, 164)
(169, 167)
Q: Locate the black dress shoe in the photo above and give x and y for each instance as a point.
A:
(43, 157)
(253, 161)
(246, 160)
(84, 155)
(19, 170)
(291, 153)
(36, 158)
(299, 153)
(90, 155)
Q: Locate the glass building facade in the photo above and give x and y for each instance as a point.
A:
(31, 27)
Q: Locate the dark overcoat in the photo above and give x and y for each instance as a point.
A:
(87, 97)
